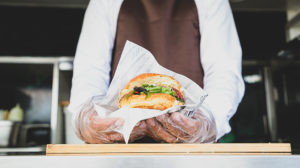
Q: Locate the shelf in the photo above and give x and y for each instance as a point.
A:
(38, 149)
(52, 60)
(34, 60)
(46, 3)
(255, 63)
(273, 62)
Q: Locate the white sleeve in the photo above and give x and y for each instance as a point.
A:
(92, 64)
(221, 58)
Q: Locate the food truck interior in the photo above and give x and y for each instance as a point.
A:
(38, 42)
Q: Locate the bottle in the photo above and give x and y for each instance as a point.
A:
(5, 115)
(16, 113)
(1, 114)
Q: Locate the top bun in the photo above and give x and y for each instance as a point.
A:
(158, 101)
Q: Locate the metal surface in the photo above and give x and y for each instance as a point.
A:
(54, 127)
(33, 60)
(26, 128)
(285, 90)
(23, 149)
(255, 63)
(241, 5)
(68, 59)
(271, 112)
(259, 5)
(210, 161)
(46, 3)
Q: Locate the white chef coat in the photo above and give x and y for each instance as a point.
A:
(221, 57)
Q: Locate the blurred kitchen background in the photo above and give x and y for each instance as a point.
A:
(38, 40)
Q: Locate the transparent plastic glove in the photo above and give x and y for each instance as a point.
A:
(175, 127)
(95, 130)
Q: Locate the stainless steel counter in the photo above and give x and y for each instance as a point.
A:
(211, 161)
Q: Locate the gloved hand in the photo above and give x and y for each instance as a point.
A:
(95, 130)
(175, 127)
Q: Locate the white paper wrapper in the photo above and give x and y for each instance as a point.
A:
(134, 61)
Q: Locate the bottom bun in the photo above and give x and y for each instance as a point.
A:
(158, 101)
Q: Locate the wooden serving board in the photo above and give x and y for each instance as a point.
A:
(170, 149)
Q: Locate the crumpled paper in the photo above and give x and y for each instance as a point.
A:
(134, 61)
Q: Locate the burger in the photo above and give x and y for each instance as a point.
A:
(151, 91)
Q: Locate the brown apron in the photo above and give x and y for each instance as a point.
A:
(169, 29)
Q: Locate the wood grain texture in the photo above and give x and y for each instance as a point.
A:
(168, 149)
(161, 154)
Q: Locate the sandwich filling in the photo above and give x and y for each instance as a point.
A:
(150, 89)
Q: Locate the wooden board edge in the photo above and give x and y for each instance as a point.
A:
(170, 148)
(165, 154)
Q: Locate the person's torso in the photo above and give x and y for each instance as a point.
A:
(169, 29)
